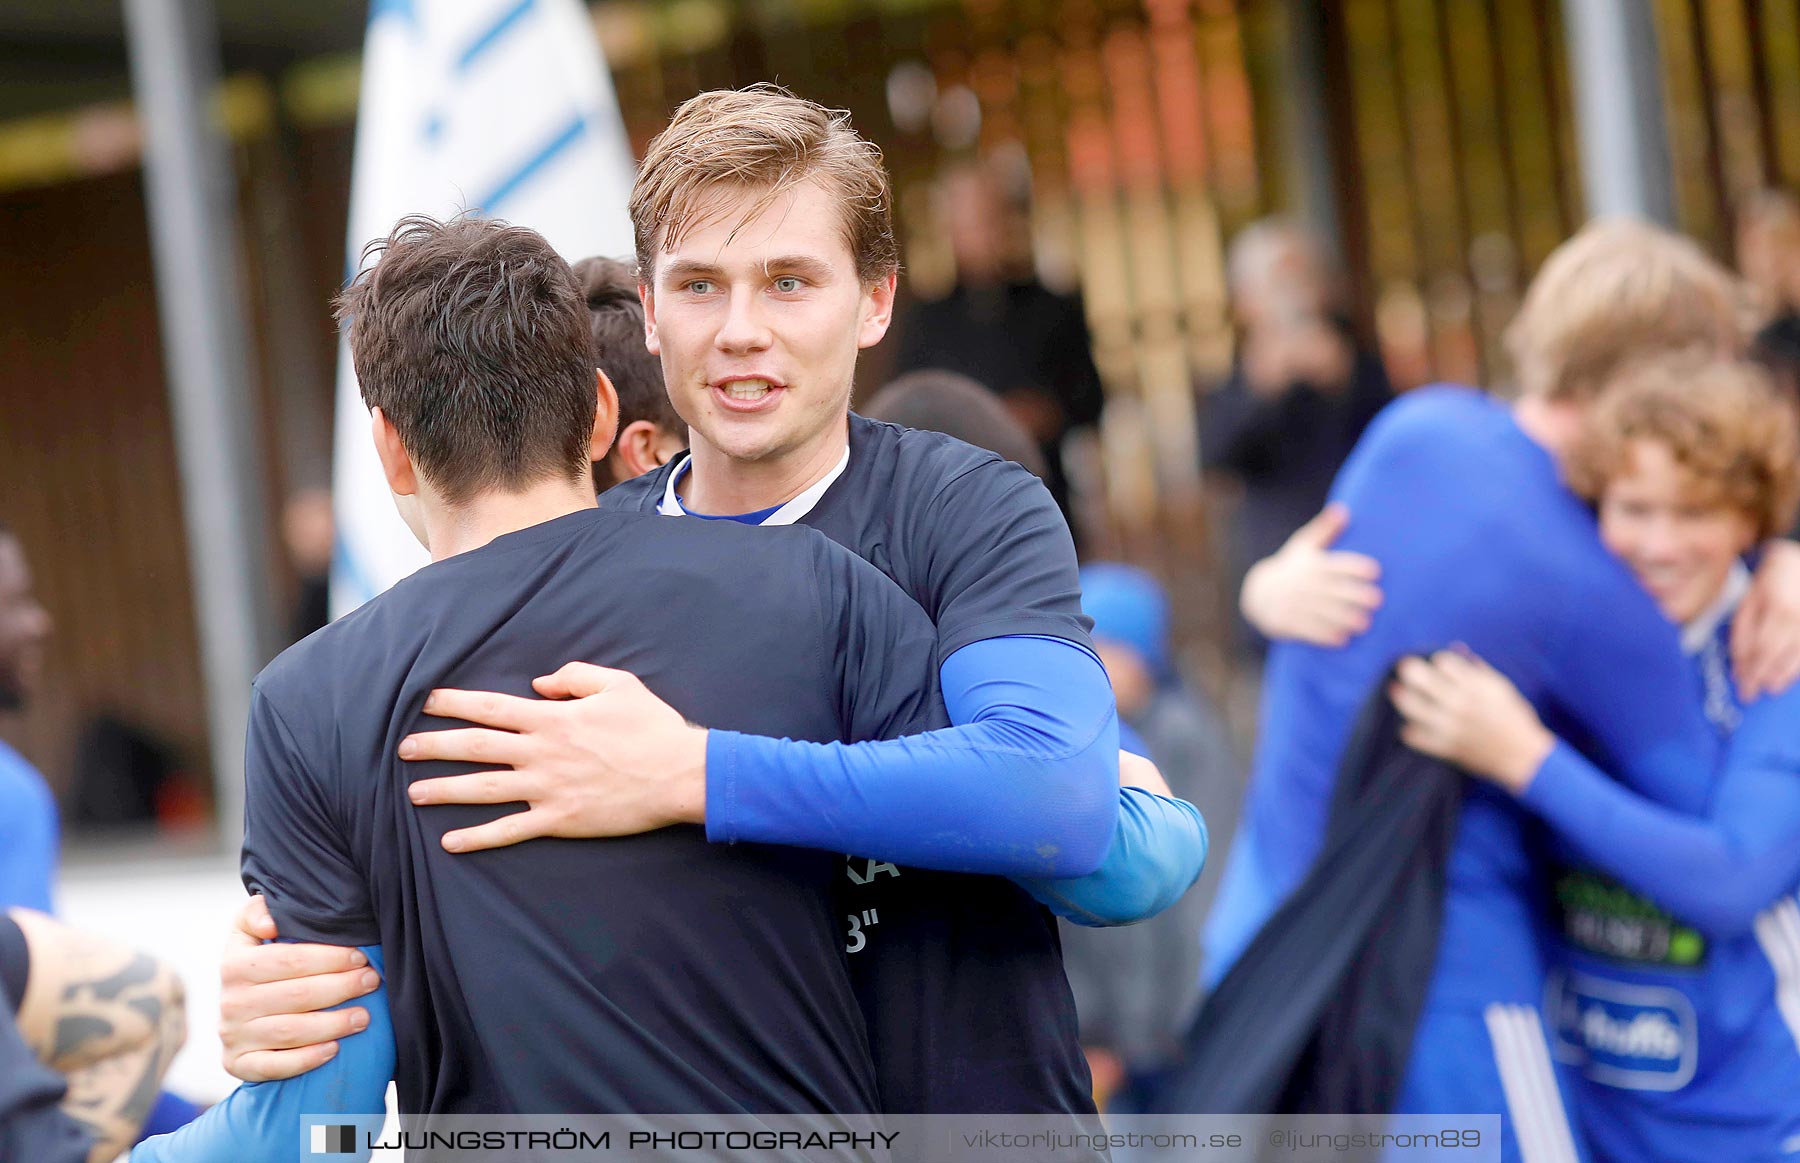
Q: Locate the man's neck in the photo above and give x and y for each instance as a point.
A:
(1553, 426)
(718, 485)
(450, 530)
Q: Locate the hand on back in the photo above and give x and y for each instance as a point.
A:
(1308, 592)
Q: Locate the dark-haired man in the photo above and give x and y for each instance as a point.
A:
(483, 430)
(650, 433)
(766, 242)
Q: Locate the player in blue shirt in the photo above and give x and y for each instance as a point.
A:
(1677, 1005)
(1460, 499)
(612, 975)
(28, 829)
(758, 323)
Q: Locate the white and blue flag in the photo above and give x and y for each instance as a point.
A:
(498, 106)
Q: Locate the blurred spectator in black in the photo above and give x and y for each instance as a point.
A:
(1136, 988)
(649, 430)
(954, 404)
(307, 532)
(1768, 254)
(1302, 389)
(1003, 328)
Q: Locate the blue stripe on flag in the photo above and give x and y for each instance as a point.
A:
(344, 563)
(491, 204)
(401, 8)
(494, 33)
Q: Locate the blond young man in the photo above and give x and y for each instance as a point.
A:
(1460, 499)
(768, 258)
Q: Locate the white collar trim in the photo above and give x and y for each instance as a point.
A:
(1699, 629)
(800, 506)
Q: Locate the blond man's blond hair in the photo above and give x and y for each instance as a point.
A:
(762, 140)
(1618, 289)
(1721, 419)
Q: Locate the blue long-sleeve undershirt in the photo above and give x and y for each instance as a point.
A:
(1024, 784)
(1715, 872)
(1157, 854)
(262, 1120)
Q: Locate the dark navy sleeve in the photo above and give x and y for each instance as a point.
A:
(32, 1123)
(296, 851)
(885, 665)
(997, 560)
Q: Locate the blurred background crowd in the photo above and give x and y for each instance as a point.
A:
(1189, 246)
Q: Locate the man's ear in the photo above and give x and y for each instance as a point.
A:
(647, 297)
(396, 464)
(606, 416)
(643, 447)
(878, 312)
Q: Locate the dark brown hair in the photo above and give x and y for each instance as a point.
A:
(471, 337)
(616, 333)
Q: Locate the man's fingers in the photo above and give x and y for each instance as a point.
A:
(301, 995)
(251, 925)
(254, 919)
(296, 1031)
(1420, 739)
(1413, 706)
(1359, 566)
(501, 833)
(1341, 620)
(1773, 667)
(488, 708)
(483, 787)
(467, 745)
(1323, 529)
(578, 680)
(1354, 592)
(273, 1065)
(1746, 636)
(1455, 667)
(282, 962)
(1421, 677)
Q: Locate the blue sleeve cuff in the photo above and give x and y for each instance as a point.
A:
(263, 1120)
(1157, 854)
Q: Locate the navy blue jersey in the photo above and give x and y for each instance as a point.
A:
(960, 976)
(653, 973)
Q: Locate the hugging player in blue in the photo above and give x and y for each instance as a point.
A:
(1675, 987)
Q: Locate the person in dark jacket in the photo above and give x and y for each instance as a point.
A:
(1302, 390)
(1002, 327)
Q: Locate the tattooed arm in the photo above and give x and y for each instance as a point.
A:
(108, 1018)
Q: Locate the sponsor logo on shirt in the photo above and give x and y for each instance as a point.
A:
(1623, 1034)
(1601, 916)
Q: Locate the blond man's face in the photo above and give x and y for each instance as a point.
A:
(758, 315)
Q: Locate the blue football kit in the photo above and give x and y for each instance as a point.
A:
(28, 835)
(1480, 544)
(1675, 992)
